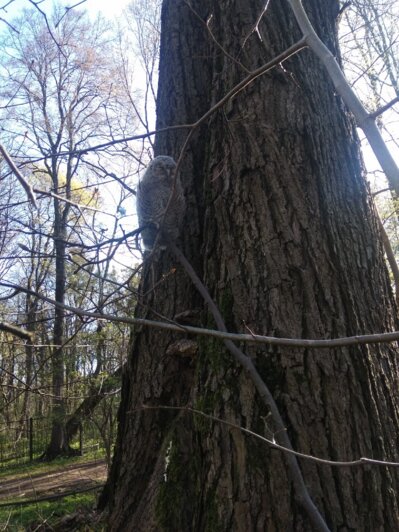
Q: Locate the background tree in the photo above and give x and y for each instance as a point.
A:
(60, 99)
(90, 354)
(282, 231)
(370, 49)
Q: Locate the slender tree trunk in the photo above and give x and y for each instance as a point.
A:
(30, 313)
(90, 403)
(281, 229)
(59, 442)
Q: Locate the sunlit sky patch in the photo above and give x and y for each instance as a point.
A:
(109, 8)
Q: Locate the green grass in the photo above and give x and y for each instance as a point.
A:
(14, 470)
(17, 519)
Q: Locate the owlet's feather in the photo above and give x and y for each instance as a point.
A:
(160, 202)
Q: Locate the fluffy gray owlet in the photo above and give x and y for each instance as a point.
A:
(153, 194)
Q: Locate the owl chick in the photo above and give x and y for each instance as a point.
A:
(160, 201)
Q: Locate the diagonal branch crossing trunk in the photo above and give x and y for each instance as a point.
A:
(281, 230)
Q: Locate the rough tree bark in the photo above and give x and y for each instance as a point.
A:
(281, 229)
(59, 443)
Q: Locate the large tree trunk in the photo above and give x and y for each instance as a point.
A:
(282, 231)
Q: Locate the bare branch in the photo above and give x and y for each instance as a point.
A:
(28, 189)
(236, 337)
(385, 107)
(68, 8)
(256, 25)
(267, 398)
(295, 48)
(207, 24)
(16, 331)
(334, 463)
(363, 120)
(13, 28)
(36, 4)
(70, 202)
(390, 256)
(4, 7)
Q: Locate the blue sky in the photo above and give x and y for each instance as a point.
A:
(109, 8)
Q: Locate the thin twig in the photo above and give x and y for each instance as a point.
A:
(28, 189)
(231, 94)
(295, 48)
(390, 256)
(300, 488)
(207, 24)
(384, 108)
(256, 25)
(13, 28)
(36, 4)
(79, 206)
(235, 337)
(334, 463)
(363, 119)
(67, 9)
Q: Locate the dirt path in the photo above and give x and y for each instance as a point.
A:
(73, 477)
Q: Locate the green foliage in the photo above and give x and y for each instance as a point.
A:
(39, 467)
(17, 519)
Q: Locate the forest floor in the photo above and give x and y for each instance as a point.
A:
(72, 478)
